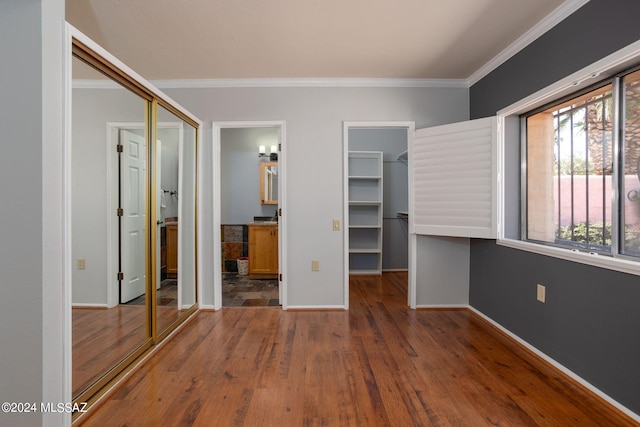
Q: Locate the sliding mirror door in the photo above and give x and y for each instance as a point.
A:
(175, 159)
(110, 314)
(132, 182)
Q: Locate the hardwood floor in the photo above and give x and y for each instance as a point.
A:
(378, 364)
(103, 337)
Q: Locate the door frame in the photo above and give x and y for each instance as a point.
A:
(217, 200)
(113, 129)
(410, 127)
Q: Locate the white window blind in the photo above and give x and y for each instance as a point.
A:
(455, 179)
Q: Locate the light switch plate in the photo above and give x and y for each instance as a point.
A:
(315, 265)
(336, 225)
(541, 294)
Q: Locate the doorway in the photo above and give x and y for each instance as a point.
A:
(127, 232)
(377, 187)
(249, 214)
(131, 217)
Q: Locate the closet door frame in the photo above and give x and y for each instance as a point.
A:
(79, 45)
(346, 126)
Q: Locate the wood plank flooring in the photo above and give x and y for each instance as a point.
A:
(102, 337)
(378, 364)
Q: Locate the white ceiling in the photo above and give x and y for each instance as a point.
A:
(233, 39)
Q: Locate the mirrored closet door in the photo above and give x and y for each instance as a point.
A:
(133, 197)
(175, 176)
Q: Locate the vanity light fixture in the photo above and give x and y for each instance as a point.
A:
(273, 155)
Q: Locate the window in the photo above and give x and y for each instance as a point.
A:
(582, 169)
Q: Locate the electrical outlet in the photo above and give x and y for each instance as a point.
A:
(542, 293)
(336, 225)
(80, 263)
(315, 265)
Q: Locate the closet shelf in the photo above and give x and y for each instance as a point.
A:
(365, 212)
(365, 202)
(364, 251)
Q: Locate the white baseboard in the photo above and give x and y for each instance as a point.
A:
(316, 307)
(74, 305)
(207, 307)
(444, 306)
(560, 367)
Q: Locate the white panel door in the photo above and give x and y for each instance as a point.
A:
(132, 233)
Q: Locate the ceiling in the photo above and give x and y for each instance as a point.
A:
(235, 39)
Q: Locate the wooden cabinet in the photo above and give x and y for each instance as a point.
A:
(172, 250)
(263, 249)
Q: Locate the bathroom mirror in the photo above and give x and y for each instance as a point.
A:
(269, 183)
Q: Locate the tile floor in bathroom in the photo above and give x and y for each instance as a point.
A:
(249, 291)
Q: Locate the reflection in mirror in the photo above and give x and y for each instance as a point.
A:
(175, 161)
(109, 315)
(269, 183)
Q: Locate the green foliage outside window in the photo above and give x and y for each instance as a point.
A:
(594, 235)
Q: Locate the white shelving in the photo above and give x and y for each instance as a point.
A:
(365, 212)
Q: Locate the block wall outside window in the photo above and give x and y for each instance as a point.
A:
(579, 173)
(569, 168)
(540, 171)
(630, 191)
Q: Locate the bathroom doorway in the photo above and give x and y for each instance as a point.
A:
(249, 214)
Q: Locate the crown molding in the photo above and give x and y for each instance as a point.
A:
(559, 14)
(282, 83)
(310, 82)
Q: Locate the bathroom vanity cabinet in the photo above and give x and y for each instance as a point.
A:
(263, 248)
(172, 250)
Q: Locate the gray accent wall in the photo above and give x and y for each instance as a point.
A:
(594, 31)
(590, 321)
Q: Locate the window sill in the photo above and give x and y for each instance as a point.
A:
(603, 261)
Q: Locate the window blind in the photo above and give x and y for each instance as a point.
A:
(455, 179)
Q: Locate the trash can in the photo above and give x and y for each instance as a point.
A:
(243, 266)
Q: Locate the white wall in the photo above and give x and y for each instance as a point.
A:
(31, 317)
(442, 271)
(92, 110)
(169, 170)
(314, 147)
